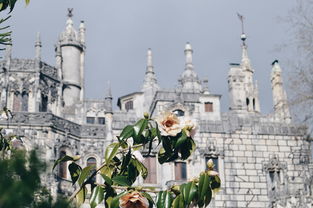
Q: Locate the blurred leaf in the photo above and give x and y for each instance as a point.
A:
(115, 201)
(125, 162)
(140, 167)
(216, 182)
(164, 199)
(138, 129)
(96, 196)
(178, 202)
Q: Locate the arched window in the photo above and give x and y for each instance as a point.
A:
(62, 166)
(93, 163)
(24, 101)
(44, 103)
(179, 113)
(129, 105)
(17, 101)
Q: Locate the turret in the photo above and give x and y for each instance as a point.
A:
(189, 79)
(38, 48)
(236, 88)
(280, 102)
(72, 50)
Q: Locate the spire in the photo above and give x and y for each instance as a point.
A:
(38, 47)
(189, 79)
(108, 92)
(150, 80)
(245, 61)
(70, 34)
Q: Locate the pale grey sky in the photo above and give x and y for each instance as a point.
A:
(120, 31)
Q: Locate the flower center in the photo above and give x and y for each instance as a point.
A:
(168, 123)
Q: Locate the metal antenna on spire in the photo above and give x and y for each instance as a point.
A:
(70, 12)
(243, 35)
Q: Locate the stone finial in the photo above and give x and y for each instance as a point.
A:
(108, 92)
(149, 59)
(82, 31)
(38, 47)
(188, 54)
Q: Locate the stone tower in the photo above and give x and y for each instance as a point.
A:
(281, 108)
(71, 49)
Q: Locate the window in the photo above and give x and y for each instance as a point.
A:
(180, 171)
(93, 163)
(179, 113)
(101, 120)
(208, 107)
(24, 101)
(44, 103)
(90, 120)
(150, 163)
(129, 105)
(62, 166)
(215, 162)
(17, 102)
(253, 101)
(247, 101)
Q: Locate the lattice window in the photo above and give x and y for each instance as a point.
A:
(101, 120)
(151, 165)
(90, 120)
(129, 105)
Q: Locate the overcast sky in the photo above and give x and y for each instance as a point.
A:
(119, 32)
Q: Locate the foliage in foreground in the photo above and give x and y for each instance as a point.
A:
(122, 166)
(20, 184)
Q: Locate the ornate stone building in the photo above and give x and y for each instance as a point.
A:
(263, 160)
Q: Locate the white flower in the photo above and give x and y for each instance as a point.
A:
(133, 200)
(189, 125)
(138, 156)
(169, 124)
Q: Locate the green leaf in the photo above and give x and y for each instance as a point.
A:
(125, 162)
(140, 167)
(139, 127)
(96, 196)
(107, 179)
(84, 174)
(111, 151)
(81, 195)
(182, 139)
(121, 180)
(27, 2)
(204, 190)
(115, 201)
(164, 199)
(189, 192)
(12, 4)
(178, 202)
(127, 132)
(216, 182)
(75, 171)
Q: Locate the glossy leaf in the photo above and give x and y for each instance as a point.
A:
(107, 179)
(97, 196)
(164, 199)
(115, 201)
(138, 129)
(149, 198)
(127, 132)
(65, 159)
(140, 168)
(178, 202)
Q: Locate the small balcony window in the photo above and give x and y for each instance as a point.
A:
(90, 120)
(180, 171)
(101, 120)
(208, 107)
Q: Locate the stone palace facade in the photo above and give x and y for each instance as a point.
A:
(263, 160)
